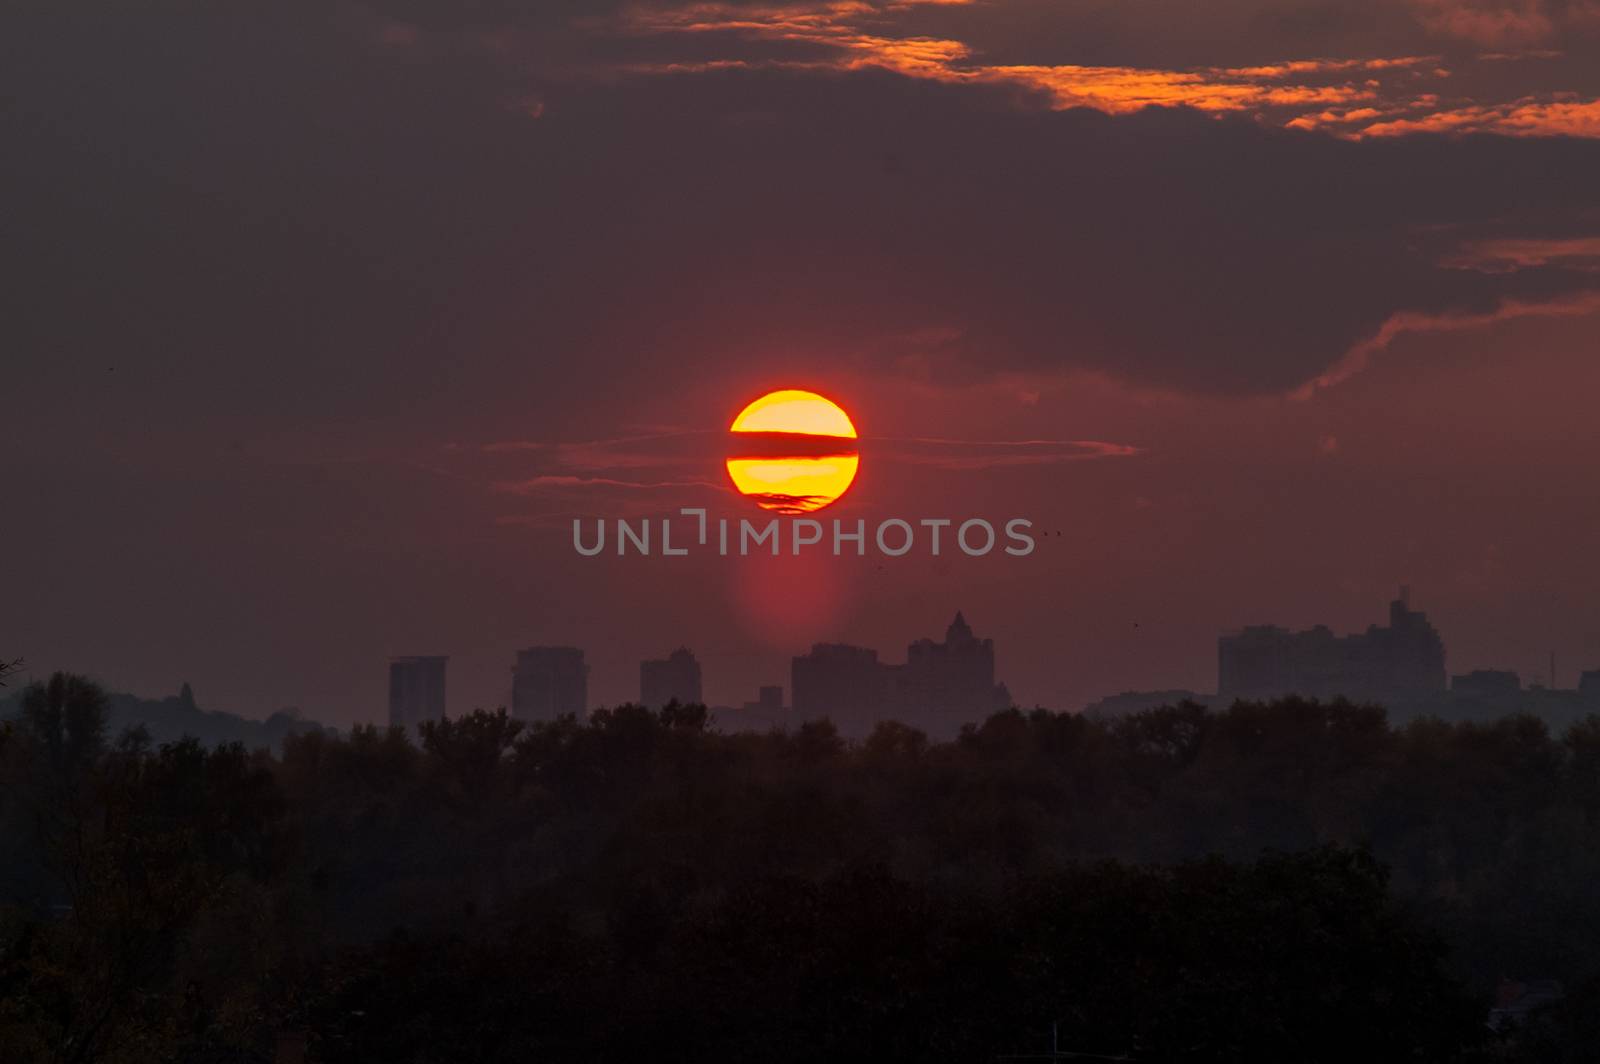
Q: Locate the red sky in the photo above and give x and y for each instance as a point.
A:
(322, 319)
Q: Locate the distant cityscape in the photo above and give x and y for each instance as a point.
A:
(945, 684)
(1400, 666)
(941, 686)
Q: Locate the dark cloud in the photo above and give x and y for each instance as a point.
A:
(948, 232)
(1174, 33)
(280, 218)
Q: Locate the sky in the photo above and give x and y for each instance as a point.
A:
(322, 322)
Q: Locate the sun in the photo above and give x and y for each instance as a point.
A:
(793, 452)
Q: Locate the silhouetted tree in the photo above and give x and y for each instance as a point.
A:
(66, 716)
(638, 882)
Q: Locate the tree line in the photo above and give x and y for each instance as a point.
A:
(1289, 881)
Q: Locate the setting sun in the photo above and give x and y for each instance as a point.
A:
(793, 451)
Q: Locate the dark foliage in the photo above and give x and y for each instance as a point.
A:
(1286, 882)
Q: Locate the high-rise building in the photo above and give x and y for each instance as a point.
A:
(945, 685)
(416, 689)
(1486, 683)
(549, 682)
(940, 687)
(1401, 663)
(675, 678)
(769, 699)
(846, 684)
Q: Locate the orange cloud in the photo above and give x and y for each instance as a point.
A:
(1323, 66)
(1122, 89)
(1561, 114)
(1348, 97)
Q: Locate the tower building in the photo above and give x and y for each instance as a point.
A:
(942, 685)
(675, 678)
(1400, 663)
(549, 682)
(416, 689)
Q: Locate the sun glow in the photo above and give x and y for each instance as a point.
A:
(792, 451)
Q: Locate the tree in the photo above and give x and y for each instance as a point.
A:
(67, 717)
(470, 748)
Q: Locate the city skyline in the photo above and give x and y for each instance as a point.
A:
(1401, 662)
(1151, 652)
(943, 684)
(732, 679)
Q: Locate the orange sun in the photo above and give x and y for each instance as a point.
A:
(792, 452)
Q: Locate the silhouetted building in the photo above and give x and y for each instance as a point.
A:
(676, 678)
(769, 699)
(841, 682)
(549, 682)
(416, 689)
(1401, 663)
(1487, 683)
(764, 714)
(945, 685)
(1491, 694)
(941, 686)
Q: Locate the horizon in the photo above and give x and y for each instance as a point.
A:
(1535, 679)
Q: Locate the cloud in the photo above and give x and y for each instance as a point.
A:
(943, 452)
(955, 454)
(1531, 116)
(638, 450)
(377, 236)
(1360, 356)
(1351, 96)
(842, 27)
(1487, 22)
(1508, 254)
(551, 482)
(558, 497)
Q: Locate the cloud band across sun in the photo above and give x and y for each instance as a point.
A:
(792, 452)
(609, 476)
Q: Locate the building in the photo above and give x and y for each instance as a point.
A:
(1487, 684)
(846, 684)
(416, 690)
(549, 682)
(945, 685)
(769, 699)
(1589, 684)
(942, 685)
(674, 679)
(766, 713)
(1402, 663)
